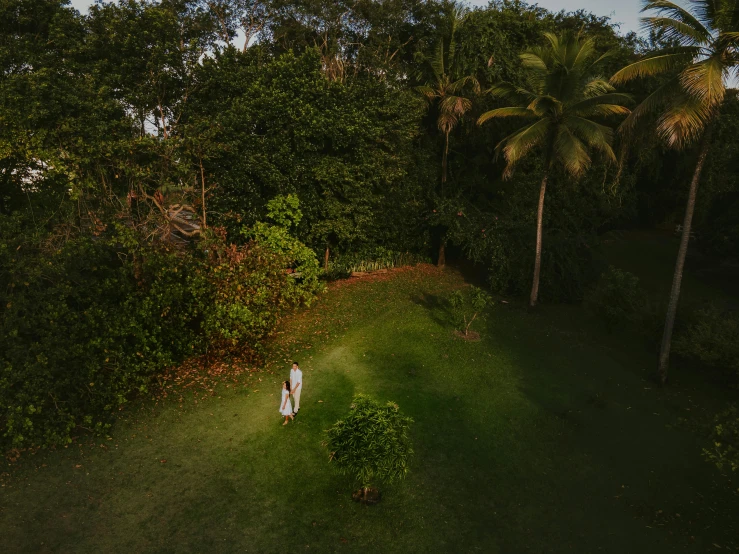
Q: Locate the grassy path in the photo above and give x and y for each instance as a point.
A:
(538, 438)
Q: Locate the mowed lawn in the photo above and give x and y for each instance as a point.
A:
(545, 436)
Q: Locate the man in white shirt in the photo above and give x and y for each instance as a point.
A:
(296, 386)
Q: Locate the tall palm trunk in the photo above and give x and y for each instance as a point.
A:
(443, 161)
(664, 354)
(202, 192)
(441, 261)
(539, 226)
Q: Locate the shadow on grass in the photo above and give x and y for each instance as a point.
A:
(615, 440)
(438, 307)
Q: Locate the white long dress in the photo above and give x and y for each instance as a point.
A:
(288, 406)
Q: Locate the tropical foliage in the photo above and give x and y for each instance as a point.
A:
(468, 306)
(372, 443)
(701, 56)
(447, 93)
(562, 97)
(89, 322)
(446, 89)
(171, 193)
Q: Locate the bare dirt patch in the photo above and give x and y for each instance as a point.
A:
(471, 336)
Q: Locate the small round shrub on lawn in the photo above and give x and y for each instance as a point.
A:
(371, 444)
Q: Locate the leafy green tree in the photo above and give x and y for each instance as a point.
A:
(703, 54)
(372, 443)
(280, 238)
(563, 98)
(346, 150)
(377, 38)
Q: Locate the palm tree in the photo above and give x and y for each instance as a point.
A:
(561, 98)
(704, 55)
(446, 93)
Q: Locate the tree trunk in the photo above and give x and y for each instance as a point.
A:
(539, 225)
(443, 161)
(664, 354)
(164, 124)
(325, 260)
(202, 192)
(441, 262)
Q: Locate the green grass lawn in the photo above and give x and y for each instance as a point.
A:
(544, 436)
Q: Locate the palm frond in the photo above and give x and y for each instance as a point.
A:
(446, 121)
(606, 110)
(456, 16)
(554, 42)
(517, 145)
(651, 104)
(732, 36)
(596, 136)
(705, 80)
(674, 11)
(510, 92)
(597, 87)
(683, 121)
(604, 56)
(460, 84)
(709, 11)
(532, 60)
(595, 105)
(437, 62)
(582, 53)
(513, 111)
(546, 105)
(457, 105)
(650, 66)
(675, 30)
(429, 92)
(571, 152)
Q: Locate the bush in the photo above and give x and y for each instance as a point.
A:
(82, 326)
(467, 306)
(711, 338)
(371, 259)
(279, 238)
(240, 292)
(86, 322)
(725, 438)
(371, 443)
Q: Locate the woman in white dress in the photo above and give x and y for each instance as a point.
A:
(286, 407)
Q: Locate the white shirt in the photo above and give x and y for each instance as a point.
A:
(296, 378)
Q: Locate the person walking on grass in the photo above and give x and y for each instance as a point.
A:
(296, 386)
(286, 408)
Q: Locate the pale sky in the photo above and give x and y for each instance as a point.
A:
(625, 12)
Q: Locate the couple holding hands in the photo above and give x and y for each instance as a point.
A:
(294, 386)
